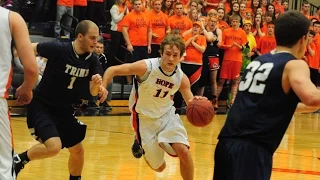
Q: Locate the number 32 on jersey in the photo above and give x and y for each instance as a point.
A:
(255, 79)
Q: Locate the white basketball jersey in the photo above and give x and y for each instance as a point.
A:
(155, 93)
(5, 53)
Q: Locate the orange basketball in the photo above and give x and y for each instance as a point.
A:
(200, 112)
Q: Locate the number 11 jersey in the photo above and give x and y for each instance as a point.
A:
(262, 111)
(156, 90)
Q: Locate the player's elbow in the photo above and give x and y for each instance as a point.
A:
(313, 100)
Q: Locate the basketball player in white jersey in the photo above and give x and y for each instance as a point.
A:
(158, 128)
(13, 28)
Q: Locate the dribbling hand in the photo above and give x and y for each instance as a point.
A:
(198, 97)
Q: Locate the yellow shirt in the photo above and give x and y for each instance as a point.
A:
(252, 41)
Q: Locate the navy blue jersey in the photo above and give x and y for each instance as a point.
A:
(67, 74)
(262, 111)
(212, 49)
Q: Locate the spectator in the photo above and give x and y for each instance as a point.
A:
(160, 26)
(63, 7)
(118, 11)
(96, 12)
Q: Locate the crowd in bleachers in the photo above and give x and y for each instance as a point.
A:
(221, 36)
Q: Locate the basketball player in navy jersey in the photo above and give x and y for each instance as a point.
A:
(157, 127)
(72, 72)
(269, 93)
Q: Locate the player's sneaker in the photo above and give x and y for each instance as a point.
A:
(136, 149)
(17, 164)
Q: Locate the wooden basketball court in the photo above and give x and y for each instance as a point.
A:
(108, 151)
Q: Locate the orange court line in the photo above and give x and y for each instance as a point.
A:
(297, 171)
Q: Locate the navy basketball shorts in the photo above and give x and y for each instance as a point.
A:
(238, 159)
(45, 122)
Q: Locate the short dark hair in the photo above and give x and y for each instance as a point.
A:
(270, 23)
(173, 40)
(83, 27)
(316, 22)
(305, 2)
(290, 27)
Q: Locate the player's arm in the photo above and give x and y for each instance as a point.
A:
(23, 45)
(185, 89)
(302, 108)
(138, 68)
(298, 78)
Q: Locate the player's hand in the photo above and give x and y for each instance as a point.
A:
(154, 35)
(24, 96)
(103, 93)
(130, 48)
(149, 49)
(198, 97)
(96, 80)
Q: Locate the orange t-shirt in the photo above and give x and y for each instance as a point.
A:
(184, 2)
(120, 23)
(279, 9)
(313, 62)
(138, 25)
(248, 5)
(266, 44)
(227, 7)
(159, 23)
(101, 1)
(80, 2)
(229, 36)
(181, 23)
(68, 3)
(193, 55)
(208, 8)
(317, 43)
(223, 25)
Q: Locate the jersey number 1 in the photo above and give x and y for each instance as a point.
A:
(255, 81)
(73, 79)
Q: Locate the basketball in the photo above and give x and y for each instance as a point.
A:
(200, 112)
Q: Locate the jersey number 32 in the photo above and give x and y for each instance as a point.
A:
(255, 78)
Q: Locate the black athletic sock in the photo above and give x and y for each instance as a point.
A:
(74, 177)
(24, 157)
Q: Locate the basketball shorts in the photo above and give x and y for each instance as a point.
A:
(214, 63)
(6, 143)
(230, 69)
(45, 122)
(239, 159)
(157, 135)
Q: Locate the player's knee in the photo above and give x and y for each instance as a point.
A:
(182, 152)
(77, 151)
(54, 148)
(161, 168)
